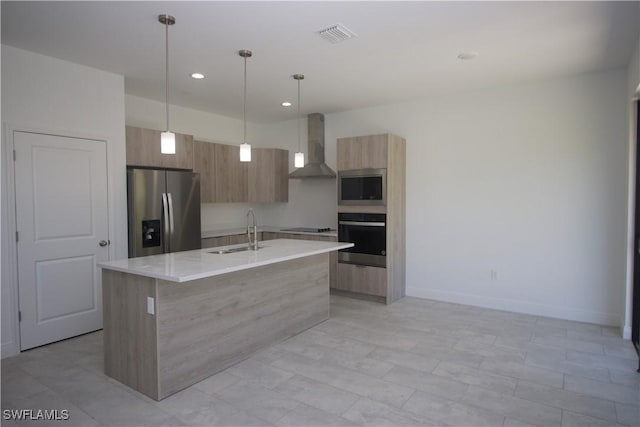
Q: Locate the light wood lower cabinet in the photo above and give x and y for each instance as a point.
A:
(233, 239)
(203, 326)
(362, 279)
(333, 256)
(241, 238)
(214, 242)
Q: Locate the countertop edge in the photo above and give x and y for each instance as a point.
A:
(243, 266)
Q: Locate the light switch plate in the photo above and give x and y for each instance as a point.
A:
(151, 308)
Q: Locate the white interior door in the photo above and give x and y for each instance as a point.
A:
(61, 218)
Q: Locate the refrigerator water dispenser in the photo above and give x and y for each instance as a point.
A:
(150, 233)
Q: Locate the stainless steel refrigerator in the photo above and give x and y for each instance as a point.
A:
(163, 211)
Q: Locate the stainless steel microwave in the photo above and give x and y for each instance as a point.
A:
(362, 187)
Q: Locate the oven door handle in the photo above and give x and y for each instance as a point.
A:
(362, 223)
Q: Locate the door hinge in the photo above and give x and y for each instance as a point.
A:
(17, 236)
(14, 155)
(19, 316)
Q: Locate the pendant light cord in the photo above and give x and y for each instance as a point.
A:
(166, 75)
(298, 116)
(244, 113)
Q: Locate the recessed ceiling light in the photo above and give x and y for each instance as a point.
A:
(286, 104)
(465, 56)
(197, 76)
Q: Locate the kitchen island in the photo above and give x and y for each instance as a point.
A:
(175, 319)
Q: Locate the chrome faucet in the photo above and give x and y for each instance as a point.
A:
(252, 245)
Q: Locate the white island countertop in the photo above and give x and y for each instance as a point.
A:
(201, 263)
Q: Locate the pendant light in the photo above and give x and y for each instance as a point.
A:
(167, 138)
(245, 148)
(298, 158)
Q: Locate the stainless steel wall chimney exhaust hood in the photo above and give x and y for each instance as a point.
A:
(316, 167)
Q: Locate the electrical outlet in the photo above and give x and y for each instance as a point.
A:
(494, 275)
(151, 307)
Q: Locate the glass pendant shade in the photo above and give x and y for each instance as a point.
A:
(245, 152)
(298, 160)
(168, 143)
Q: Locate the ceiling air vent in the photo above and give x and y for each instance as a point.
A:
(336, 33)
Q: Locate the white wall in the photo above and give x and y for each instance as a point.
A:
(528, 181)
(633, 93)
(39, 92)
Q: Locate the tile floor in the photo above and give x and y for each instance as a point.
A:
(415, 362)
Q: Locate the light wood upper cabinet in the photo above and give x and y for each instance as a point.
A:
(143, 149)
(263, 180)
(223, 178)
(268, 175)
(204, 164)
(363, 152)
(230, 175)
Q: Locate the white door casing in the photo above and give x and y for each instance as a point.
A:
(61, 219)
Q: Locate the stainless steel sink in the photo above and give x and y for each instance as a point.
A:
(231, 250)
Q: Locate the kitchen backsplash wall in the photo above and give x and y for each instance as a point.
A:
(311, 204)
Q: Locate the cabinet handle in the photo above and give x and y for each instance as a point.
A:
(362, 223)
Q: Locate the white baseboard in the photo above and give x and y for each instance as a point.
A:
(9, 349)
(606, 319)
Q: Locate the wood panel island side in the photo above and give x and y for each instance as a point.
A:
(175, 319)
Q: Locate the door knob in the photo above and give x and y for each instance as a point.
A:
(104, 242)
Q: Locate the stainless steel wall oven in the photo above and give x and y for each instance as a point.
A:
(368, 232)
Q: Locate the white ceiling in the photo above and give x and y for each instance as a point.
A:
(403, 50)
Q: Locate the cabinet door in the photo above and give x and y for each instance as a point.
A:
(240, 238)
(230, 175)
(268, 176)
(333, 256)
(349, 153)
(214, 242)
(143, 149)
(362, 152)
(204, 164)
(362, 279)
(270, 235)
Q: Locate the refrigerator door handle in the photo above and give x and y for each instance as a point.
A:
(170, 214)
(165, 220)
